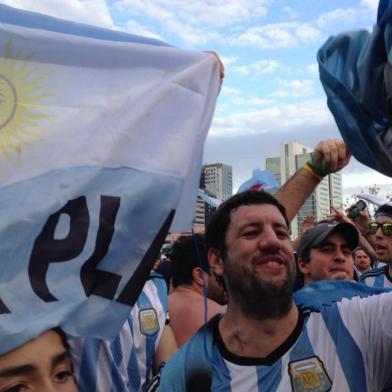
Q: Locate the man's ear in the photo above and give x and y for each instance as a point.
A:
(303, 267)
(198, 276)
(215, 261)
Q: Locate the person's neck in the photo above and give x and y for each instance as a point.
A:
(189, 288)
(363, 270)
(247, 337)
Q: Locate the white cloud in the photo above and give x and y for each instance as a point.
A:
(214, 13)
(278, 35)
(277, 118)
(354, 182)
(371, 4)
(294, 88)
(230, 91)
(361, 15)
(313, 69)
(93, 12)
(195, 22)
(340, 16)
(261, 67)
(227, 61)
(190, 34)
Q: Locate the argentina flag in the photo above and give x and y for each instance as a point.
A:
(101, 135)
(356, 73)
(260, 180)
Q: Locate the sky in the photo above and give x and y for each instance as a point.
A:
(271, 92)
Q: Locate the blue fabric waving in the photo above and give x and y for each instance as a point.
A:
(354, 71)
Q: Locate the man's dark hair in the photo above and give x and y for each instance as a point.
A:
(219, 222)
(185, 257)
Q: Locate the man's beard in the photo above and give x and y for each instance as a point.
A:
(259, 299)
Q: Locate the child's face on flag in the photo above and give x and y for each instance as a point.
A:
(42, 364)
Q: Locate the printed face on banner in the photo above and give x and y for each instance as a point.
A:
(42, 364)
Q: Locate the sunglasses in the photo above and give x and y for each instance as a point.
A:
(385, 227)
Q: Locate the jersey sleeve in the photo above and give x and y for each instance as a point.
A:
(369, 323)
(172, 377)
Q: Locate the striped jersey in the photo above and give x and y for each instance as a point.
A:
(378, 277)
(346, 346)
(125, 364)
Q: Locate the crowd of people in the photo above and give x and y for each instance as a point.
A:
(245, 308)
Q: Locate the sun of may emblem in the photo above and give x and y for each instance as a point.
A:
(22, 92)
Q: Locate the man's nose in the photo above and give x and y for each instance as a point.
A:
(379, 233)
(269, 239)
(340, 256)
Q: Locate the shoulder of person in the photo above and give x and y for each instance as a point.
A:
(372, 272)
(318, 295)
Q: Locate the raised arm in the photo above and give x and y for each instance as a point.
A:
(329, 156)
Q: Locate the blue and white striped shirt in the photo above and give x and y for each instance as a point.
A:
(378, 277)
(346, 346)
(125, 364)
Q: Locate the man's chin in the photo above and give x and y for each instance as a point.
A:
(341, 276)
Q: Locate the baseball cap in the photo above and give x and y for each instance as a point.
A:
(317, 235)
(384, 210)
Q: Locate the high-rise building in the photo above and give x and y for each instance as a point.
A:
(218, 180)
(200, 213)
(293, 156)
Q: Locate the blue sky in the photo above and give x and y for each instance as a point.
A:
(271, 92)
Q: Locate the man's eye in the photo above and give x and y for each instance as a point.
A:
(63, 376)
(282, 234)
(14, 388)
(250, 233)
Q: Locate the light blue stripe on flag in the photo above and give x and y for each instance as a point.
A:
(141, 211)
(101, 139)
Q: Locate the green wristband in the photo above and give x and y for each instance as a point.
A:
(318, 166)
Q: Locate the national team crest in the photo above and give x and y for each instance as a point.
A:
(148, 321)
(309, 375)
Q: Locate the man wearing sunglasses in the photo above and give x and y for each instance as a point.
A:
(381, 232)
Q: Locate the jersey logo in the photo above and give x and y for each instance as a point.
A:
(309, 375)
(148, 321)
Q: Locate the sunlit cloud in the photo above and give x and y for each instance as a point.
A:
(95, 12)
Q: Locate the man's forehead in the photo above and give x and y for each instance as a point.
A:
(254, 213)
(383, 219)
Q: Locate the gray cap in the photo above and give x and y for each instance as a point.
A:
(317, 235)
(384, 210)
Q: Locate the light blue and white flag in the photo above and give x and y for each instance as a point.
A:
(100, 133)
(260, 180)
(212, 201)
(356, 73)
(376, 200)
